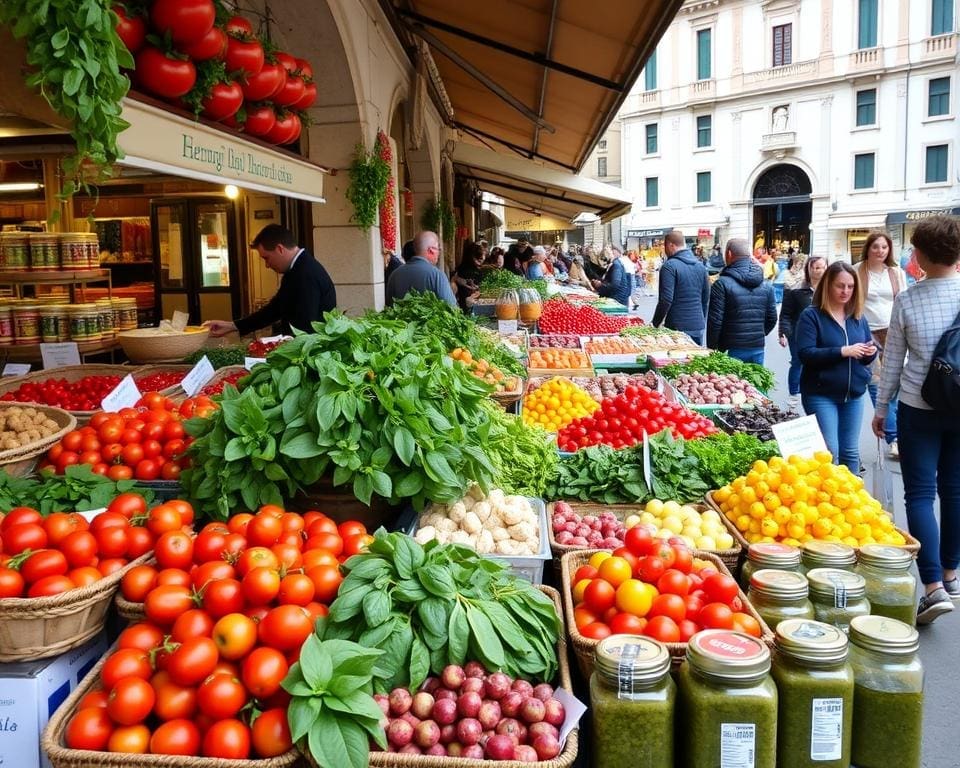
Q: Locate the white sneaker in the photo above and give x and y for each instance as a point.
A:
(894, 450)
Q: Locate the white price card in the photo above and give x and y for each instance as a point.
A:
(180, 320)
(647, 470)
(800, 437)
(273, 339)
(125, 395)
(15, 369)
(249, 362)
(89, 514)
(199, 375)
(574, 709)
(506, 326)
(60, 354)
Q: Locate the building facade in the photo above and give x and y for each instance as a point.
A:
(795, 122)
(606, 164)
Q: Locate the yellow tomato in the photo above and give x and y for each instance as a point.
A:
(635, 597)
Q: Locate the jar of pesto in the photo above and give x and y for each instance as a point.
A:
(827, 554)
(778, 595)
(765, 554)
(727, 702)
(887, 694)
(838, 596)
(891, 587)
(815, 686)
(632, 699)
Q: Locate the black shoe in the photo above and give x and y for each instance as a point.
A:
(933, 605)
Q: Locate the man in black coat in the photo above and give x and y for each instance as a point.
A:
(743, 309)
(306, 291)
(684, 289)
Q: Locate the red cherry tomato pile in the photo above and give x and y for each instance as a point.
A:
(216, 67)
(42, 556)
(146, 442)
(156, 382)
(226, 615)
(217, 388)
(259, 348)
(621, 420)
(656, 588)
(85, 394)
(560, 316)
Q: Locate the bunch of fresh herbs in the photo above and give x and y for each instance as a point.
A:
(723, 457)
(77, 490)
(525, 456)
(496, 280)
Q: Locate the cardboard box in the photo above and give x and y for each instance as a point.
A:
(30, 692)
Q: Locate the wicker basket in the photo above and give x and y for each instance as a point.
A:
(144, 345)
(224, 373)
(70, 373)
(730, 557)
(147, 370)
(52, 741)
(511, 397)
(584, 647)
(912, 546)
(19, 462)
(35, 628)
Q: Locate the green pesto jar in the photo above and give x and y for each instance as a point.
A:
(765, 554)
(891, 587)
(838, 596)
(778, 595)
(827, 554)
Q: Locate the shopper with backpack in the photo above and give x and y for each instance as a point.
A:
(924, 325)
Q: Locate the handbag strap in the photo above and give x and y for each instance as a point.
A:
(894, 280)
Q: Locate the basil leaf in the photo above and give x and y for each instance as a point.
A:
(459, 632)
(376, 607)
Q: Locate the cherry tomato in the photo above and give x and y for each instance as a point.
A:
(89, 729)
(271, 733)
(263, 670)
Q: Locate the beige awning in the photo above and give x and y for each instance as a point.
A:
(856, 221)
(543, 78)
(538, 188)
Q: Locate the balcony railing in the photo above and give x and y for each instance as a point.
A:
(650, 98)
(701, 88)
(865, 58)
(801, 69)
(940, 46)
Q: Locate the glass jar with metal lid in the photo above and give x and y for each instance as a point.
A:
(827, 554)
(765, 554)
(779, 595)
(44, 252)
(128, 314)
(887, 694)
(84, 322)
(837, 596)
(14, 251)
(632, 700)
(891, 587)
(727, 702)
(815, 688)
(53, 322)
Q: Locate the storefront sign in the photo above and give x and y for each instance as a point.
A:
(906, 217)
(521, 221)
(162, 141)
(704, 233)
(60, 354)
(649, 232)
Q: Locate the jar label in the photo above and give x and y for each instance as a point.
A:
(826, 730)
(727, 645)
(628, 656)
(737, 745)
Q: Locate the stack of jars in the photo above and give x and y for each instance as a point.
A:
(48, 251)
(50, 319)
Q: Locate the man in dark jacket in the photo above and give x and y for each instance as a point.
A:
(684, 289)
(743, 309)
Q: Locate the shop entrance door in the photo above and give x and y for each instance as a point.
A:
(782, 210)
(195, 258)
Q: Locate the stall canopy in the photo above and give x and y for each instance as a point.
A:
(538, 188)
(543, 78)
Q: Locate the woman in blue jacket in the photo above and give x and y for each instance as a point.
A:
(836, 350)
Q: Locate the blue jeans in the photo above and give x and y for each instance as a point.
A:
(840, 423)
(793, 375)
(890, 423)
(747, 354)
(929, 458)
(697, 337)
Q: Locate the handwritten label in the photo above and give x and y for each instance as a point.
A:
(800, 437)
(199, 375)
(507, 326)
(15, 369)
(180, 320)
(274, 339)
(125, 395)
(59, 355)
(249, 362)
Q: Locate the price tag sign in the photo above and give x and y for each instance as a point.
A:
(59, 355)
(647, 470)
(180, 319)
(125, 395)
(574, 710)
(249, 362)
(15, 369)
(507, 326)
(799, 437)
(274, 339)
(89, 514)
(199, 375)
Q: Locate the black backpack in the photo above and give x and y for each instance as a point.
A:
(941, 388)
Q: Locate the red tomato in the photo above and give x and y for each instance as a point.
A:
(163, 518)
(716, 616)
(89, 729)
(112, 541)
(264, 530)
(123, 663)
(129, 505)
(326, 581)
(673, 582)
(174, 549)
(668, 605)
(131, 701)
(744, 622)
(139, 542)
(187, 21)
(256, 557)
(142, 636)
(190, 624)
(85, 575)
(132, 31)
(683, 558)
(595, 631)
(285, 627)
(663, 628)
(211, 571)
(235, 636)
(222, 597)
(263, 671)
(261, 586)
(137, 582)
(229, 739)
(599, 596)
(296, 589)
(271, 733)
(23, 536)
(221, 696)
(627, 624)
(720, 588)
(49, 586)
(651, 568)
(96, 698)
(11, 583)
(164, 604)
(246, 56)
(176, 737)
(174, 576)
(193, 661)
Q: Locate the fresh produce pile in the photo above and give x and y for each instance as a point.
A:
(82, 395)
(468, 712)
(721, 363)
(560, 316)
(558, 359)
(23, 425)
(756, 421)
(259, 348)
(725, 457)
(515, 342)
(661, 334)
(557, 403)
(603, 531)
(496, 280)
(486, 372)
(716, 388)
(600, 387)
(491, 523)
(525, 456)
(217, 388)
(622, 420)
(610, 345)
(795, 500)
(550, 341)
(78, 489)
(220, 357)
(655, 588)
(156, 382)
(44, 556)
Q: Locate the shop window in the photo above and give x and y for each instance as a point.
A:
(652, 138)
(867, 107)
(704, 183)
(867, 24)
(864, 167)
(652, 192)
(602, 145)
(650, 73)
(704, 63)
(601, 167)
(782, 45)
(704, 131)
(941, 17)
(936, 164)
(938, 97)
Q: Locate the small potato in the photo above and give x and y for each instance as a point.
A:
(476, 493)
(506, 547)
(500, 534)
(446, 525)
(482, 510)
(425, 534)
(496, 497)
(461, 537)
(457, 512)
(485, 543)
(471, 523)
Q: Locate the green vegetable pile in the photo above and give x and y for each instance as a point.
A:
(722, 363)
(427, 607)
(219, 357)
(723, 457)
(646, 331)
(526, 456)
(77, 490)
(496, 280)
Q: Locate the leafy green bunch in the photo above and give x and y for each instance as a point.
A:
(79, 489)
(496, 280)
(721, 363)
(525, 456)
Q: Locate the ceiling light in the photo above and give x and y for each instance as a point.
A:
(231, 191)
(19, 186)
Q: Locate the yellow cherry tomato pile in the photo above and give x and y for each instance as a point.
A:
(557, 403)
(795, 500)
(486, 371)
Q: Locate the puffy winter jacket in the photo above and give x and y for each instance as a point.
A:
(743, 309)
(616, 283)
(684, 293)
(825, 370)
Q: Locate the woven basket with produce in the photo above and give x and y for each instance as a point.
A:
(78, 389)
(161, 345)
(26, 431)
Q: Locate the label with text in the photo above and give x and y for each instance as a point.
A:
(60, 354)
(15, 369)
(198, 377)
(800, 437)
(125, 395)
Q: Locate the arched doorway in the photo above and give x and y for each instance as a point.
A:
(782, 209)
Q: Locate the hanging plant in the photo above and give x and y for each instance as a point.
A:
(369, 175)
(76, 56)
(438, 217)
(388, 208)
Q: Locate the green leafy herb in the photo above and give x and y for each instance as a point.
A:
(439, 217)
(720, 362)
(525, 456)
(77, 490)
(497, 280)
(723, 458)
(369, 175)
(219, 357)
